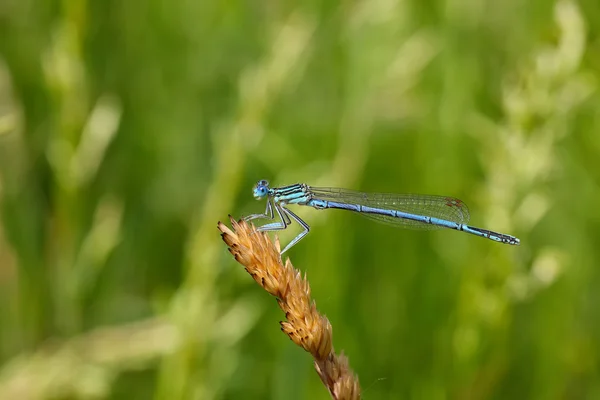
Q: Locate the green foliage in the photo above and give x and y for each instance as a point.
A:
(128, 129)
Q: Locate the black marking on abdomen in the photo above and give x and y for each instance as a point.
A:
(344, 206)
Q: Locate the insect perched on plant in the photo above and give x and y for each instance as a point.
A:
(411, 211)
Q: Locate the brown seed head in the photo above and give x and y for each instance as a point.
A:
(304, 325)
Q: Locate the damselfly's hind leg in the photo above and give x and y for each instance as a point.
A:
(289, 214)
(285, 219)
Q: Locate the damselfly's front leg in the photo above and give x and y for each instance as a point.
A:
(276, 226)
(267, 215)
(289, 214)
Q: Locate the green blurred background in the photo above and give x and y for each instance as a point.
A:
(129, 128)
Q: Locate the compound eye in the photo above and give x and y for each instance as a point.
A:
(263, 182)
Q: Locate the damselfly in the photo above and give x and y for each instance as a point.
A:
(403, 210)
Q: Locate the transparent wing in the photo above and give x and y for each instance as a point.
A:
(448, 208)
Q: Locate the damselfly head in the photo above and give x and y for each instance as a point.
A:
(261, 189)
